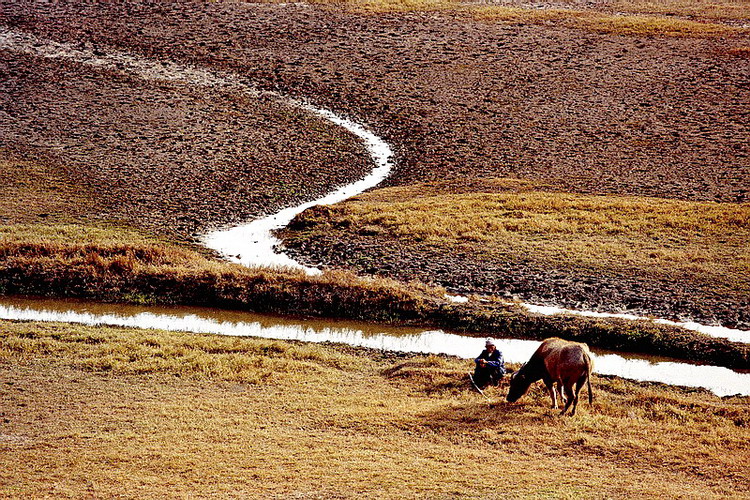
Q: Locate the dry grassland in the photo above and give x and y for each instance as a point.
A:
(35, 191)
(109, 412)
(672, 18)
(615, 24)
(121, 264)
(513, 220)
(737, 10)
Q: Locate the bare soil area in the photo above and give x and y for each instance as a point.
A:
(460, 98)
(169, 157)
(456, 97)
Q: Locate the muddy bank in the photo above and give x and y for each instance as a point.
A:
(463, 272)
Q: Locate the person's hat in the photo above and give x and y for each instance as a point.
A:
(489, 342)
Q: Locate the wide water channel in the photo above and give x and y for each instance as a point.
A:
(721, 381)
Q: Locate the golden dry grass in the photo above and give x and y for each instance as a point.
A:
(121, 264)
(671, 18)
(332, 423)
(35, 191)
(508, 220)
(706, 9)
(602, 22)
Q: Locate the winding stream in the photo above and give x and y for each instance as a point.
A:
(253, 244)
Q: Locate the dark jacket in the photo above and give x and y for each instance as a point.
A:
(494, 361)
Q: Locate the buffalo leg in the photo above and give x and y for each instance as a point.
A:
(552, 392)
(572, 399)
(579, 386)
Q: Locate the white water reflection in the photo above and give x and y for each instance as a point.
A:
(721, 381)
(254, 244)
(721, 332)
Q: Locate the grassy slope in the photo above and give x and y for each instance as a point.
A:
(632, 24)
(106, 412)
(507, 220)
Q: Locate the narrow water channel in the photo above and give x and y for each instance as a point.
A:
(253, 244)
(721, 381)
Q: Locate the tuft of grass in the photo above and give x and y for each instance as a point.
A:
(743, 52)
(376, 6)
(389, 5)
(430, 375)
(673, 18)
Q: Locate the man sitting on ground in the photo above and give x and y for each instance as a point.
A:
(490, 366)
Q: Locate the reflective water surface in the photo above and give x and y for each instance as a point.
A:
(721, 381)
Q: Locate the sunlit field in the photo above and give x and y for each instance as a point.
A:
(149, 412)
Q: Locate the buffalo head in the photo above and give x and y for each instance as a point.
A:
(519, 384)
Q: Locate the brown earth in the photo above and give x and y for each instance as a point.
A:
(599, 113)
(457, 99)
(167, 156)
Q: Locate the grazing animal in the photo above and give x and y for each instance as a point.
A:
(560, 362)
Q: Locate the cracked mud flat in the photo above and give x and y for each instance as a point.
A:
(169, 155)
(457, 99)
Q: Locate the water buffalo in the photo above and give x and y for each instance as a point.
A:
(555, 361)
